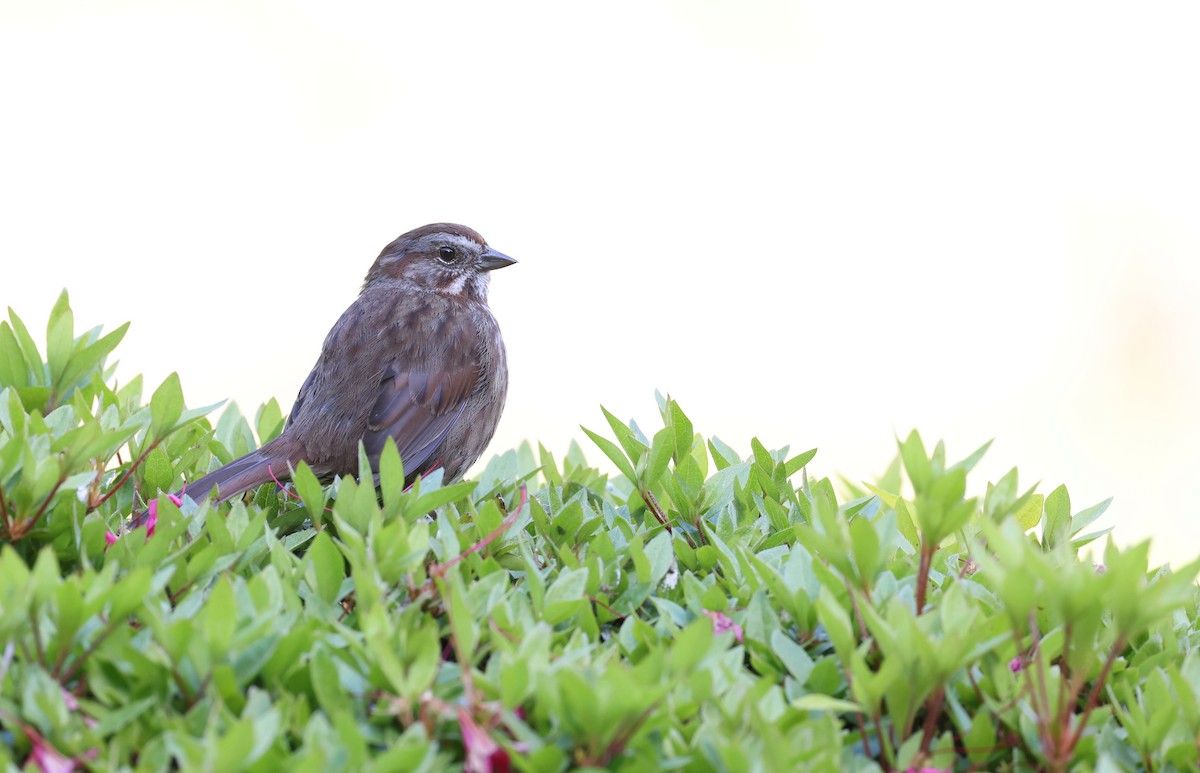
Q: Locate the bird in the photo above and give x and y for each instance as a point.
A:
(417, 357)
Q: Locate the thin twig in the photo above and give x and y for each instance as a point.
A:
(1037, 680)
(885, 747)
(4, 513)
(858, 716)
(932, 712)
(862, 734)
(858, 618)
(1094, 696)
(927, 552)
(439, 570)
(1070, 685)
(74, 669)
(617, 615)
(655, 508)
(121, 482)
(42, 510)
(623, 737)
(282, 487)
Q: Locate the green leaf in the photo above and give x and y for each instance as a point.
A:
(916, 462)
(614, 454)
(328, 569)
(91, 356)
(798, 462)
(722, 454)
(682, 432)
(220, 617)
(548, 467)
(13, 371)
(157, 471)
(691, 645)
(1028, 514)
(391, 472)
(968, 464)
(29, 350)
(1058, 515)
(60, 331)
(659, 457)
(430, 501)
(815, 702)
(166, 405)
(268, 422)
(110, 722)
(797, 661)
(1084, 518)
(311, 492)
(462, 621)
(634, 448)
(131, 591)
(566, 596)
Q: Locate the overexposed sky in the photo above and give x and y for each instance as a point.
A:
(819, 223)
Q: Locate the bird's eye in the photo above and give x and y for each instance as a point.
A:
(447, 255)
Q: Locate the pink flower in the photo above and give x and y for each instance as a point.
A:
(484, 755)
(723, 623)
(48, 759)
(1016, 664)
(45, 758)
(151, 519)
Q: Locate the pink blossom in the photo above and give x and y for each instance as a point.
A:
(151, 519)
(45, 758)
(723, 623)
(484, 755)
(48, 759)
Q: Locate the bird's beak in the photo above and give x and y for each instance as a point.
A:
(492, 260)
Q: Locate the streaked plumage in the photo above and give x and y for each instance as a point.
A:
(417, 357)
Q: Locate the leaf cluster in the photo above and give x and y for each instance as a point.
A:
(697, 609)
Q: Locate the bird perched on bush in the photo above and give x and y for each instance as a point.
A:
(417, 357)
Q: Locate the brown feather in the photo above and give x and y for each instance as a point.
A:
(417, 357)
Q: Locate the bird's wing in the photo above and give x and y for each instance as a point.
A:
(303, 393)
(418, 408)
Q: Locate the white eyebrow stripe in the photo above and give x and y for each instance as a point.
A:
(465, 243)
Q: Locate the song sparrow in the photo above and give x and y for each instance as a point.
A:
(418, 357)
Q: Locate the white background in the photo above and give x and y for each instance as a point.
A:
(822, 224)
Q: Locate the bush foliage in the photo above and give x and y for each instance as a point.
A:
(702, 609)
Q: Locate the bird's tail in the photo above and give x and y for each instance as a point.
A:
(237, 477)
(240, 475)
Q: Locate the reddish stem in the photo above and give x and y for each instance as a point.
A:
(1093, 698)
(617, 746)
(923, 568)
(933, 710)
(4, 513)
(42, 510)
(121, 481)
(439, 570)
(271, 472)
(862, 624)
(652, 503)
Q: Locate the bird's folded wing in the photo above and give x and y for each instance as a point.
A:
(418, 410)
(301, 395)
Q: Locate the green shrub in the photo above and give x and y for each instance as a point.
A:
(700, 610)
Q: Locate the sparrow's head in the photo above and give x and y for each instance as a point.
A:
(441, 257)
